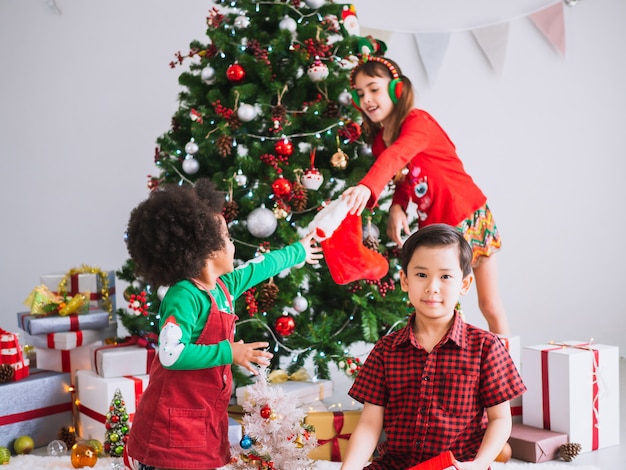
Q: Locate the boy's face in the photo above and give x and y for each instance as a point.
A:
(434, 281)
(224, 258)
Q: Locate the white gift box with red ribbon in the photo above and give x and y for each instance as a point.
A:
(70, 361)
(94, 399)
(11, 353)
(573, 388)
(71, 339)
(83, 282)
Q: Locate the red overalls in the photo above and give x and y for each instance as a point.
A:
(182, 418)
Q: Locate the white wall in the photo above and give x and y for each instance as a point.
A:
(85, 94)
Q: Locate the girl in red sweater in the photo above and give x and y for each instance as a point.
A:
(412, 149)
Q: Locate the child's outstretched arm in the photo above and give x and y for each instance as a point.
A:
(496, 435)
(357, 196)
(244, 354)
(312, 249)
(365, 437)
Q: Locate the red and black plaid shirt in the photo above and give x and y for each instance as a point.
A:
(435, 401)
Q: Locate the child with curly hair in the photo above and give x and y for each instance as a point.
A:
(179, 238)
(413, 149)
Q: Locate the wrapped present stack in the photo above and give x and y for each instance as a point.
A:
(68, 314)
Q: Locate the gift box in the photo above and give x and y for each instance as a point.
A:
(301, 391)
(535, 444)
(333, 431)
(235, 432)
(573, 388)
(37, 406)
(94, 398)
(441, 462)
(43, 324)
(65, 361)
(11, 353)
(117, 360)
(71, 339)
(513, 345)
(92, 281)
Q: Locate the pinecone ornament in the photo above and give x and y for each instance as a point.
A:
(279, 112)
(68, 436)
(371, 243)
(6, 373)
(224, 145)
(299, 197)
(268, 295)
(332, 109)
(570, 451)
(230, 211)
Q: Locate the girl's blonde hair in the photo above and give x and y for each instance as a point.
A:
(377, 68)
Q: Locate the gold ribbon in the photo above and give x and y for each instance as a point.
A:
(279, 376)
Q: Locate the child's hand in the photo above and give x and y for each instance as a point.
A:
(468, 465)
(357, 197)
(244, 354)
(397, 222)
(313, 250)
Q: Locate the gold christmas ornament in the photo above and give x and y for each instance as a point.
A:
(339, 159)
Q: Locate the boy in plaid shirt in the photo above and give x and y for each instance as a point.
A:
(439, 384)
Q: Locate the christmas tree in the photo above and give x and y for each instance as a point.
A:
(117, 429)
(275, 436)
(266, 113)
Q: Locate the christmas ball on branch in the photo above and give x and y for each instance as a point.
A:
(339, 160)
(265, 412)
(284, 147)
(285, 325)
(207, 75)
(261, 222)
(191, 166)
(315, 4)
(235, 73)
(246, 112)
(191, 147)
(281, 187)
(240, 178)
(345, 98)
(288, 24)
(300, 304)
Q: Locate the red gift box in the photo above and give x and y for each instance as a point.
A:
(441, 462)
(11, 353)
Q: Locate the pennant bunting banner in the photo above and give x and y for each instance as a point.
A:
(493, 40)
(432, 48)
(551, 23)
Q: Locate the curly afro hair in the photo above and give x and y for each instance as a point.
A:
(173, 232)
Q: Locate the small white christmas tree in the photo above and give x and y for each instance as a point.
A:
(274, 434)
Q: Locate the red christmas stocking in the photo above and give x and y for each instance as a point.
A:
(348, 260)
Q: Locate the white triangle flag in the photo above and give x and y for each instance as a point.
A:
(432, 48)
(551, 22)
(493, 41)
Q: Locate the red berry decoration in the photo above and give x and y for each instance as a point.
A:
(285, 325)
(284, 147)
(266, 412)
(235, 73)
(281, 187)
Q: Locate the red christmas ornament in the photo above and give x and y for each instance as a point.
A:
(235, 73)
(285, 325)
(281, 187)
(266, 412)
(284, 147)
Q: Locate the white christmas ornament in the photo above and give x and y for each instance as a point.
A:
(300, 304)
(191, 166)
(191, 147)
(315, 4)
(241, 179)
(242, 22)
(348, 63)
(261, 222)
(312, 179)
(288, 24)
(207, 75)
(246, 112)
(161, 291)
(370, 230)
(317, 72)
(345, 98)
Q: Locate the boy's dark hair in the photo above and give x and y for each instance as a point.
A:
(173, 232)
(436, 235)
